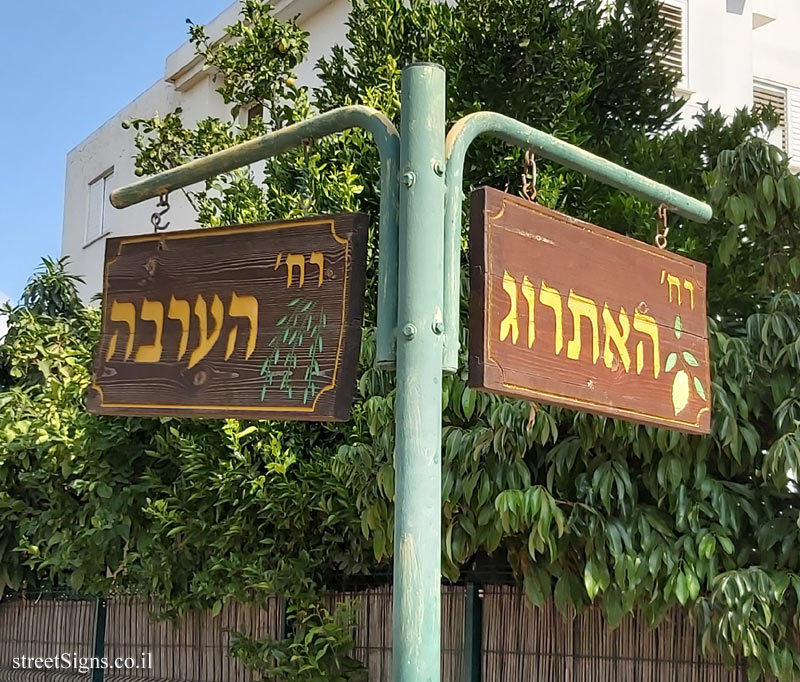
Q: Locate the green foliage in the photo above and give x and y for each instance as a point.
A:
(317, 649)
(759, 197)
(52, 290)
(256, 66)
(586, 509)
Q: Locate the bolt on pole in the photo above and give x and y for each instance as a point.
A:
(418, 435)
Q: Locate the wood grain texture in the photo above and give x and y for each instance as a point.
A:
(571, 314)
(257, 321)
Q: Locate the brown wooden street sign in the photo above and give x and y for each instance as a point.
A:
(252, 321)
(568, 313)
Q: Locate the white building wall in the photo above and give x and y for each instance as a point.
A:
(776, 45)
(728, 44)
(718, 44)
(776, 61)
(184, 85)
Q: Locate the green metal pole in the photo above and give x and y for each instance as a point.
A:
(418, 489)
(98, 650)
(473, 634)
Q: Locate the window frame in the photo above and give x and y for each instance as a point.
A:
(89, 239)
(683, 84)
(777, 89)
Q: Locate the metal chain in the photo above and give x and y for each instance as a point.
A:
(529, 170)
(661, 234)
(163, 204)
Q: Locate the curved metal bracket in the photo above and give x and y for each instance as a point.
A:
(458, 141)
(274, 143)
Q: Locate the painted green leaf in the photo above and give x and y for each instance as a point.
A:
(678, 326)
(690, 359)
(698, 386)
(672, 358)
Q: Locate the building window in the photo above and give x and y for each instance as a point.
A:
(767, 96)
(99, 189)
(793, 127)
(255, 111)
(673, 14)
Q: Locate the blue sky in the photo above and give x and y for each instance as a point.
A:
(69, 67)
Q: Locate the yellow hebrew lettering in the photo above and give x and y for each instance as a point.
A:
(295, 260)
(179, 310)
(674, 282)
(552, 299)
(122, 312)
(618, 335)
(689, 286)
(647, 325)
(278, 260)
(582, 307)
(152, 311)
(530, 296)
(243, 306)
(318, 259)
(207, 340)
(510, 323)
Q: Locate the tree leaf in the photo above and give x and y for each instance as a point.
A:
(468, 398)
(533, 589)
(768, 188)
(76, 580)
(590, 579)
(612, 605)
(562, 596)
(216, 609)
(681, 588)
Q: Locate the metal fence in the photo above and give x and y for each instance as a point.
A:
(491, 634)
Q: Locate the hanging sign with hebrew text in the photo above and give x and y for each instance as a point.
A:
(567, 313)
(255, 321)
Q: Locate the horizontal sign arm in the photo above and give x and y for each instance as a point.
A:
(458, 141)
(279, 141)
